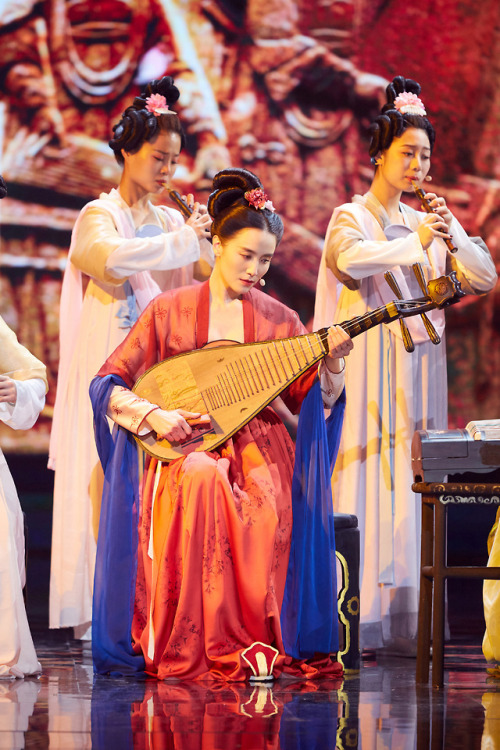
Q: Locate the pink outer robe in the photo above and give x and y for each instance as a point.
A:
(211, 577)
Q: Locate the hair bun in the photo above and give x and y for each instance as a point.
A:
(138, 124)
(229, 188)
(391, 122)
(164, 86)
(232, 212)
(398, 86)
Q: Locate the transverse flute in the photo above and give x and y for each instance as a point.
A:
(427, 207)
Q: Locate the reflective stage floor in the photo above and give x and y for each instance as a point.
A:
(381, 707)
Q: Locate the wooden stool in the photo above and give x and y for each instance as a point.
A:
(347, 550)
(436, 498)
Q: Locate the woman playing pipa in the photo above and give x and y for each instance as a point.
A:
(206, 576)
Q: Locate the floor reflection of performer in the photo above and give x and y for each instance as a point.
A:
(18, 699)
(215, 527)
(391, 393)
(124, 251)
(162, 714)
(23, 384)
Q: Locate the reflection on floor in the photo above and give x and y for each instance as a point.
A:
(67, 707)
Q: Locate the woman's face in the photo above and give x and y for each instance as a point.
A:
(153, 166)
(407, 160)
(244, 259)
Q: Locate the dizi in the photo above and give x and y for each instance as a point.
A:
(181, 205)
(428, 208)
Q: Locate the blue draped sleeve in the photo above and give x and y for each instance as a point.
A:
(116, 561)
(308, 616)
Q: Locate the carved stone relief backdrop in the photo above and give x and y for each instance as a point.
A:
(284, 88)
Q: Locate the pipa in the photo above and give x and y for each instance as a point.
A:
(234, 382)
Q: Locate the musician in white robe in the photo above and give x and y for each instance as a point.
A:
(390, 392)
(23, 384)
(124, 251)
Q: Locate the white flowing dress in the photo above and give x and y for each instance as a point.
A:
(17, 652)
(116, 265)
(390, 393)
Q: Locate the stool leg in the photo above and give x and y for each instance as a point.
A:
(347, 550)
(425, 601)
(438, 595)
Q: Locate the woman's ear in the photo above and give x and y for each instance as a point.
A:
(216, 246)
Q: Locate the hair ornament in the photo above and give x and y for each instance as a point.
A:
(409, 104)
(258, 199)
(157, 104)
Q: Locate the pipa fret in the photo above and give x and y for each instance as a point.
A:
(241, 375)
(222, 389)
(257, 373)
(248, 375)
(208, 396)
(278, 360)
(291, 355)
(299, 340)
(236, 382)
(268, 354)
(230, 389)
(263, 367)
(251, 376)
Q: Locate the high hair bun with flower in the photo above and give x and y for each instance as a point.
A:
(238, 201)
(403, 109)
(142, 120)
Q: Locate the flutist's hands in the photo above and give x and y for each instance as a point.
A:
(432, 226)
(339, 345)
(173, 425)
(199, 219)
(440, 208)
(8, 390)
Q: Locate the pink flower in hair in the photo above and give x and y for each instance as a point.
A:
(257, 198)
(409, 104)
(157, 104)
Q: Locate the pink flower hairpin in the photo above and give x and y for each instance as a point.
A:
(409, 104)
(157, 104)
(258, 199)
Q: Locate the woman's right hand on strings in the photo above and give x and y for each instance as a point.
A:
(432, 226)
(173, 425)
(200, 221)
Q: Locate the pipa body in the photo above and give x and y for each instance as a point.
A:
(233, 382)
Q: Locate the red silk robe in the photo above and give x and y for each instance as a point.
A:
(222, 520)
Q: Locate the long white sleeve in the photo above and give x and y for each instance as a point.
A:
(473, 260)
(358, 257)
(99, 251)
(29, 403)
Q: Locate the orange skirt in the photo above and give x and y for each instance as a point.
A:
(214, 540)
